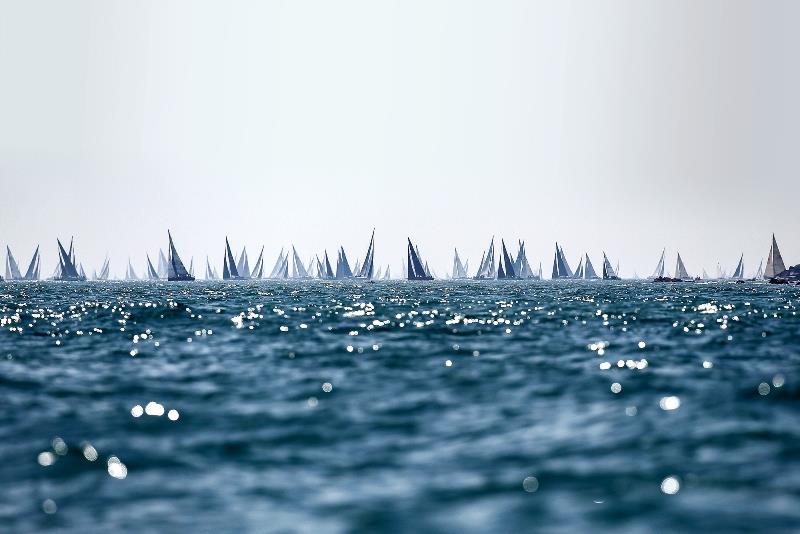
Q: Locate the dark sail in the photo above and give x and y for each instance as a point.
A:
(229, 271)
(416, 270)
(176, 270)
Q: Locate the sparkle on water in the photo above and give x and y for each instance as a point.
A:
(447, 397)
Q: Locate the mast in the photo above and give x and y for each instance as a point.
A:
(229, 265)
(176, 270)
(588, 269)
(738, 274)
(680, 269)
(659, 272)
(31, 272)
(775, 264)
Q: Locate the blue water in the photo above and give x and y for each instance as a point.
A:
(400, 407)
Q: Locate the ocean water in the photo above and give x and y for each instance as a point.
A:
(399, 407)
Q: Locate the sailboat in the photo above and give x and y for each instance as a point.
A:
(130, 274)
(342, 265)
(176, 271)
(505, 270)
(585, 270)
(66, 270)
(680, 270)
(560, 266)
(209, 271)
(298, 269)
(459, 271)
(486, 270)
(521, 265)
(608, 272)
(387, 275)
(738, 274)
(416, 270)
(760, 271)
(163, 268)
(775, 265)
(152, 274)
(258, 268)
(368, 267)
(660, 267)
(229, 269)
(104, 270)
(278, 267)
(326, 272)
(243, 266)
(12, 268)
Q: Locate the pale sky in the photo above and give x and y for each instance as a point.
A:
(624, 126)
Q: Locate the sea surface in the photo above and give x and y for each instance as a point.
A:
(399, 407)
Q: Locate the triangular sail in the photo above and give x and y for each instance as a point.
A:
(163, 268)
(368, 267)
(152, 274)
(416, 270)
(209, 270)
(579, 270)
(131, 274)
(486, 269)
(659, 272)
(560, 266)
(387, 275)
(506, 262)
(30, 273)
(176, 270)
(328, 270)
(588, 269)
(298, 269)
(738, 274)
(608, 272)
(775, 264)
(680, 269)
(258, 268)
(277, 269)
(12, 268)
(229, 265)
(243, 265)
(67, 265)
(760, 270)
(458, 268)
(343, 266)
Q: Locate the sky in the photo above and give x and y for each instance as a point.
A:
(607, 125)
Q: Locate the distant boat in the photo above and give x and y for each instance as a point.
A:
(191, 266)
(560, 265)
(104, 270)
(277, 269)
(130, 274)
(152, 274)
(342, 265)
(416, 270)
(367, 269)
(521, 265)
(680, 269)
(486, 270)
(378, 273)
(229, 269)
(176, 272)
(66, 270)
(505, 270)
(387, 275)
(210, 274)
(608, 272)
(459, 270)
(585, 270)
(326, 271)
(258, 268)
(760, 271)
(12, 268)
(243, 266)
(660, 267)
(775, 264)
(163, 268)
(738, 274)
(298, 269)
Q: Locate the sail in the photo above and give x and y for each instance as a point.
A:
(276, 270)
(229, 270)
(416, 270)
(209, 270)
(659, 272)
(387, 275)
(487, 268)
(342, 265)
(588, 269)
(284, 271)
(12, 268)
(176, 271)
(680, 269)
(152, 274)
(579, 270)
(458, 268)
(328, 270)
(131, 274)
(258, 268)
(30, 273)
(775, 264)
(760, 270)
(506, 263)
(560, 266)
(298, 269)
(368, 267)
(608, 272)
(68, 270)
(104, 270)
(242, 266)
(705, 274)
(163, 268)
(738, 274)
(378, 273)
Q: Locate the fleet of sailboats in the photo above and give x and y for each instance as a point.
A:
(498, 264)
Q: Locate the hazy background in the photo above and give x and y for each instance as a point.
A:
(624, 126)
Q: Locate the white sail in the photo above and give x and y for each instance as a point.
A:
(243, 265)
(343, 266)
(608, 272)
(163, 268)
(276, 270)
(12, 268)
(775, 264)
(298, 269)
(760, 271)
(368, 267)
(680, 269)
(660, 267)
(588, 269)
